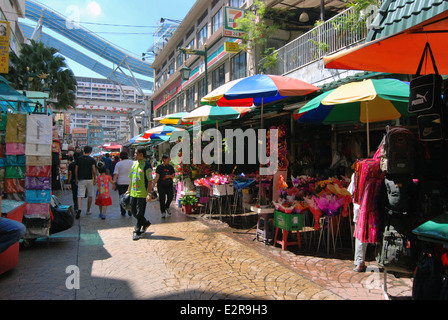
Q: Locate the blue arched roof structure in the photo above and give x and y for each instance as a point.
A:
(83, 37)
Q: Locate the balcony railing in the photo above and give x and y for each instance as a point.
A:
(341, 31)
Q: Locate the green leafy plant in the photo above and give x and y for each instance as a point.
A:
(188, 200)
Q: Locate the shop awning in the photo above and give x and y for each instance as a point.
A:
(399, 52)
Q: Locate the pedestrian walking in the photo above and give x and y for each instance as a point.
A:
(140, 187)
(72, 182)
(108, 163)
(85, 179)
(121, 176)
(103, 199)
(164, 178)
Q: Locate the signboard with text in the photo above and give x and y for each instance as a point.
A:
(231, 15)
(4, 46)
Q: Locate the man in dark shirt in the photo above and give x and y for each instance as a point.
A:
(108, 162)
(164, 179)
(85, 176)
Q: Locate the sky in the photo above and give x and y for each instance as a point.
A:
(127, 24)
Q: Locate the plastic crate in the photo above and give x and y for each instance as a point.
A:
(288, 222)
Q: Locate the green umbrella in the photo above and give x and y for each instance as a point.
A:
(366, 101)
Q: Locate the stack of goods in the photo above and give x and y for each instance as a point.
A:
(37, 216)
(15, 138)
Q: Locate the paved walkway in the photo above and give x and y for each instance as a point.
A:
(181, 257)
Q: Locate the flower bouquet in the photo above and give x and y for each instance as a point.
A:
(329, 204)
(312, 205)
(301, 207)
(287, 206)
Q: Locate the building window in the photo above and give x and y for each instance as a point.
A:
(202, 86)
(239, 66)
(180, 102)
(172, 107)
(180, 60)
(219, 77)
(236, 3)
(191, 44)
(190, 98)
(217, 21)
(202, 36)
(171, 68)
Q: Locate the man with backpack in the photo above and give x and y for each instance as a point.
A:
(140, 188)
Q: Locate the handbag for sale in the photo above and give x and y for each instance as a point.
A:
(430, 127)
(426, 90)
(39, 129)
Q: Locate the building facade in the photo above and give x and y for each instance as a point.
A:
(203, 27)
(11, 11)
(107, 102)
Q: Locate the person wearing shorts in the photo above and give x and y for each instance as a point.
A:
(85, 176)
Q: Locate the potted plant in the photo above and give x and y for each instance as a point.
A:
(188, 202)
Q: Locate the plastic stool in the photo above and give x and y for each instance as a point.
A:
(265, 227)
(284, 242)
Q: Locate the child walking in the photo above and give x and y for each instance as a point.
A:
(103, 199)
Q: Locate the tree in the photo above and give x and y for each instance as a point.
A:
(42, 68)
(257, 33)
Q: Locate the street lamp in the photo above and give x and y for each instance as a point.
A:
(185, 71)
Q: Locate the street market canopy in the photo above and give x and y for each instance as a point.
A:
(398, 38)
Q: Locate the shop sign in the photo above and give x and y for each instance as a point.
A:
(231, 47)
(4, 46)
(231, 15)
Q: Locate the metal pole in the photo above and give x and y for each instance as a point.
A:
(206, 69)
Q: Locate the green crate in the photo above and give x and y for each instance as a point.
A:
(288, 221)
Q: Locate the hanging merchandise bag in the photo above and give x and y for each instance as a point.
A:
(39, 129)
(426, 90)
(398, 151)
(428, 278)
(396, 252)
(38, 160)
(38, 196)
(430, 127)
(38, 183)
(399, 193)
(33, 149)
(16, 128)
(38, 171)
(13, 148)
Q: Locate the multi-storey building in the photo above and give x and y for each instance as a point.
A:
(203, 28)
(107, 102)
(11, 10)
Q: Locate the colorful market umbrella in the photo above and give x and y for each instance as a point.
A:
(160, 131)
(366, 101)
(213, 113)
(174, 119)
(257, 90)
